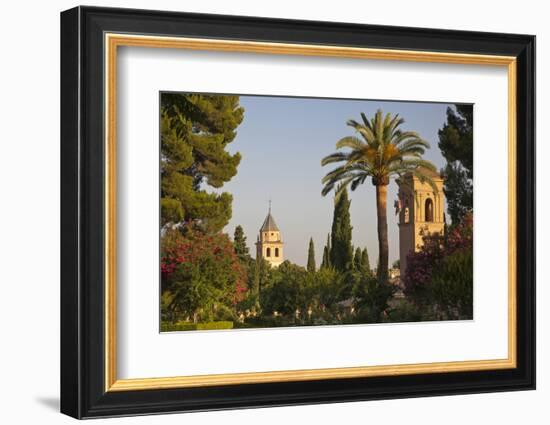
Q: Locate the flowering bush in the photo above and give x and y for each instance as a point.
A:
(202, 277)
(435, 255)
(420, 265)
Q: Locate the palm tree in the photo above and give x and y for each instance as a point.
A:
(383, 151)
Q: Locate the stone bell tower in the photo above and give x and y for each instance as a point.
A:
(269, 245)
(421, 211)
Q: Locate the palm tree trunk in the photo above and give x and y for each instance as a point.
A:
(381, 211)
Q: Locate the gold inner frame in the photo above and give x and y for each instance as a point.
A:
(113, 41)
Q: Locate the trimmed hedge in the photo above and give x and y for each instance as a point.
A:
(188, 326)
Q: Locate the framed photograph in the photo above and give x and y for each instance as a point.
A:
(261, 212)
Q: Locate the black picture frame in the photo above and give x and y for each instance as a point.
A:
(83, 392)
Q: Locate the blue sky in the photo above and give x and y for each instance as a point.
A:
(282, 141)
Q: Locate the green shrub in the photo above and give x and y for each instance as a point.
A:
(405, 311)
(287, 291)
(451, 285)
(371, 299)
(266, 322)
(187, 326)
(214, 325)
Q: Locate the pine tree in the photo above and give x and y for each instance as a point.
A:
(311, 266)
(195, 132)
(456, 144)
(458, 190)
(239, 242)
(341, 252)
(456, 137)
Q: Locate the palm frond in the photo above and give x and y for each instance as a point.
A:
(387, 120)
(336, 174)
(327, 188)
(405, 165)
(396, 122)
(341, 188)
(340, 182)
(366, 121)
(335, 157)
(365, 131)
(367, 134)
(414, 143)
(351, 142)
(413, 152)
(405, 135)
(379, 125)
(424, 164)
(358, 180)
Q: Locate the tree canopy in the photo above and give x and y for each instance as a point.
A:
(311, 266)
(341, 250)
(456, 137)
(361, 261)
(202, 277)
(326, 254)
(195, 132)
(365, 263)
(239, 242)
(456, 144)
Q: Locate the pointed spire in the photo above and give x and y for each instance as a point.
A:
(269, 222)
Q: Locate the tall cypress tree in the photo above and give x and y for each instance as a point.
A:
(325, 264)
(341, 252)
(239, 242)
(357, 259)
(311, 266)
(365, 264)
(361, 261)
(257, 277)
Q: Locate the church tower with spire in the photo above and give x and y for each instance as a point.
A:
(269, 245)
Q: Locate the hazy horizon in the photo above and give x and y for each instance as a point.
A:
(282, 141)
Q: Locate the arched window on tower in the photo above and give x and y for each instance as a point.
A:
(429, 210)
(276, 252)
(406, 212)
(268, 252)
